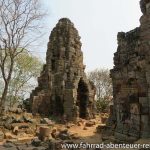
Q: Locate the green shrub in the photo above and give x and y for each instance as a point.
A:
(102, 105)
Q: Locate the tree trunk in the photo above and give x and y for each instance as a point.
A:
(3, 99)
(5, 91)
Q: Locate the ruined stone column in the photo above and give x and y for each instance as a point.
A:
(64, 89)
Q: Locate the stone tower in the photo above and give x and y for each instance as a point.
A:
(131, 80)
(63, 89)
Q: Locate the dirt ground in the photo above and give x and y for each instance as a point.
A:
(85, 134)
(80, 132)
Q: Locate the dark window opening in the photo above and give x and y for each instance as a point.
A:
(59, 108)
(53, 65)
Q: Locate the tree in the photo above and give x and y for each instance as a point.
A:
(19, 20)
(102, 105)
(26, 69)
(102, 81)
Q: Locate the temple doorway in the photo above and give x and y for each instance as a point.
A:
(82, 98)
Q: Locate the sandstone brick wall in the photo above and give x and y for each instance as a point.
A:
(131, 80)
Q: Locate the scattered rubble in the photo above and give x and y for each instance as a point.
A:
(90, 123)
(25, 131)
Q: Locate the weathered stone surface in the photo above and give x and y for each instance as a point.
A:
(16, 130)
(54, 133)
(20, 125)
(9, 135)
(63, 88)
(90, 123)
(9, 145)
(1, 136)
(100, 127)
(8, 123)
(15, 110)
(47, 121)
(131, 80)
(28, 117)
(36, 142)
(44, 133)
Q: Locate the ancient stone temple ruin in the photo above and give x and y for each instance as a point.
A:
(63, 88)
(131, 80)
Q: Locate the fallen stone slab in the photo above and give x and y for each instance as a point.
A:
(9, 135)
(46, 121)
(90, 123)
(44, 133)
(25, 139)
(20, 125)
(28, 117)
(100, 127)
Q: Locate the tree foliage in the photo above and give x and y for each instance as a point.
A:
(102, 105)
(103, 83)
(26, 69)
(19, 21)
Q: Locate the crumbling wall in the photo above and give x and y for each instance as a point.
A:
(131, 80)
(63, 87)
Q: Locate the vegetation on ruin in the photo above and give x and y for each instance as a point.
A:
(102, 81)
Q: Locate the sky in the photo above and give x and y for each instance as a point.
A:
(98, 22)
